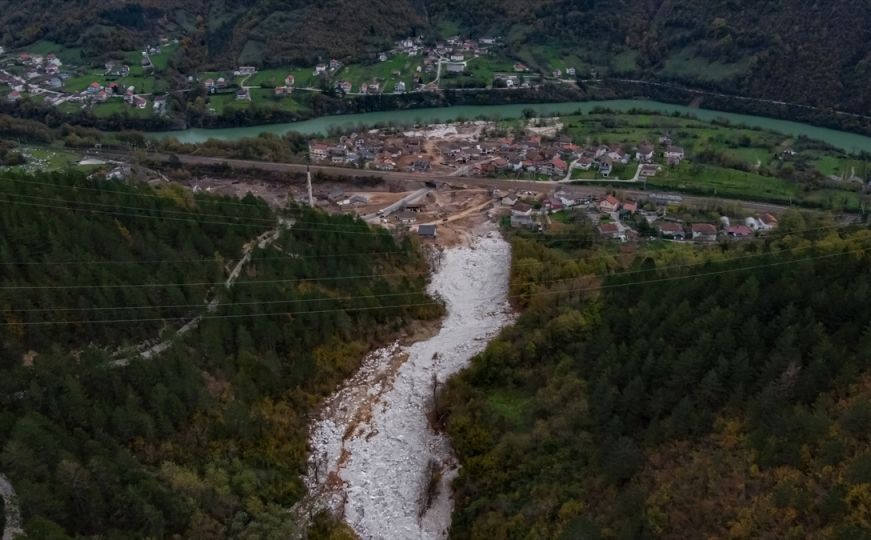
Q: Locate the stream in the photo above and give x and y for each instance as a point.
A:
(374, 457)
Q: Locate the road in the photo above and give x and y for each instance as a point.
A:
(149, 350)
(418, 178)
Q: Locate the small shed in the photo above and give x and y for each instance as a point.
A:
(426, 231)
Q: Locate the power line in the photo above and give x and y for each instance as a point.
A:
(192, 214)
(202, 284)
(543, 282)
(432, 304)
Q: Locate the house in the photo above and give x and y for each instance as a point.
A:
(382, 57)
(508, 200)
(455, 67)
(246, 70)
(344, 86)
(14, 95)
(670, 229)
(221, 82)
(644, 153)
(739, 231)
(457, 58)
(159, 104)
(571, 72)
(584, 163)
(94, 87)
(400, 87)
(318, 151)
(609, 204)
(521, 215)
(559, 166)
(289, 81)
(101, 96)
(139, 102)
(647, 170)
(557, 73)
(55, 82)
(384, 163)
(334, 64)
(426, 231)
(280, 91)
(704, 232)
(610, 230)
(320, 69)
(243, 94)
(767, 222)
(605, 167)
(674, 155)
(630, 207)
(520, 68)
(406, 217)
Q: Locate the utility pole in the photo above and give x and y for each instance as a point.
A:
(308, 174)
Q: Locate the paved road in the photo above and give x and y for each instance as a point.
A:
(418, 178)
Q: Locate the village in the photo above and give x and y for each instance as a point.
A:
(472, 149)
(46, 78)
(411, 65)
(445, 211)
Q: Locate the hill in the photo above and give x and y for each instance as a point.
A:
(718, 394)
(792, 50)
(206, 439)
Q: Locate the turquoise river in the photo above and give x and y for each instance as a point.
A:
(850, 142)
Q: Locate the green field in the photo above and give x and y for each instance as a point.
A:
(725, 182)
(303, 77)
(687, 63)
(397, 68)
(67, 55)
(118, 106)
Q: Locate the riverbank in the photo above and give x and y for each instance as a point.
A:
(375, 461)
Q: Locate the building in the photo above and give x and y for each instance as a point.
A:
(670, 229)
(704, 232)
(521, 216)
(630, 207)
(674, 155)
(243, 94)
(318, 151)
(455, 67)
(767, 222)
(644, 153)
(610, 230)
(289, 81)
(246, 70)
(426, 231)
(406, 217)
(400, 87)
(739, 231)
(344, 86)
(609, 204)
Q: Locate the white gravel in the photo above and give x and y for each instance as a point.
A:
(13, 515)
(372, 444)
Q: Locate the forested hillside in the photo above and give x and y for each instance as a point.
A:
(206, 440)
(813, 53)
(674, 394)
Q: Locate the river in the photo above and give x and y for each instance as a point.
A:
(850, 142)
(372, 447)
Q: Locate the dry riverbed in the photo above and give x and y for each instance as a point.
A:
(375, 460)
